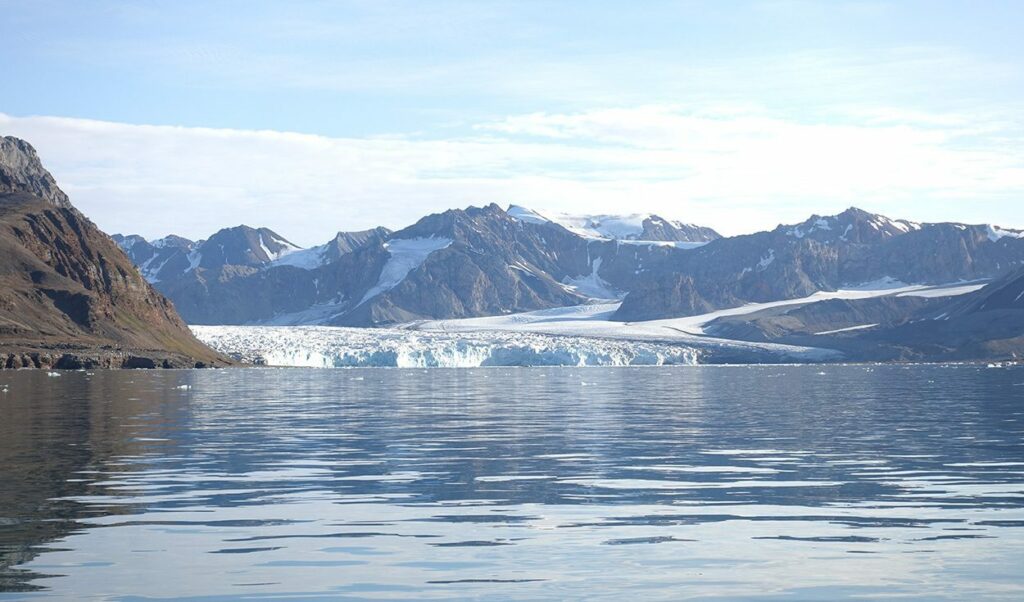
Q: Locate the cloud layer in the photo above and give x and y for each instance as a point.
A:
(738, 169)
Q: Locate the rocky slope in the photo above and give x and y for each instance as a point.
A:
(69, 297)
(821, 254)
(987, 324)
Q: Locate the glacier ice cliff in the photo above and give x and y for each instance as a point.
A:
(329, 347)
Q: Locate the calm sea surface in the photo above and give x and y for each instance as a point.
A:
(768, 483)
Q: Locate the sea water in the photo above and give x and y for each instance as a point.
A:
(687, 482)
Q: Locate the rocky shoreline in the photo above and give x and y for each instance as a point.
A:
(88, 359)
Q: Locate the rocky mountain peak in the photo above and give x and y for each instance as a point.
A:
(173, 240)
(22, 171)
(243, 245)
(459, 224)
(853, 225)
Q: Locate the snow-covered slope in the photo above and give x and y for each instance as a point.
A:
(306, 259)
(592, 285)
(406, 254)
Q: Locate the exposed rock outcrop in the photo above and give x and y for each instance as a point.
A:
(22, 171)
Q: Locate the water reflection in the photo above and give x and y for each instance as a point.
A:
(756, 482)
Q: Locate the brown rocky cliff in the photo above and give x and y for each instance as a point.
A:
(67, 289)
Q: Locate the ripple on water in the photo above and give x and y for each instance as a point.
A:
(412, 484)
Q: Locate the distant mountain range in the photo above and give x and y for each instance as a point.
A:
(485, 261)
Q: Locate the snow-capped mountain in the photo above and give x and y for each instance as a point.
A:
(853, 226)
(173, 256)
(159, 259)
(477, 261)
(635, 227)
(484, 261)
(242, 245)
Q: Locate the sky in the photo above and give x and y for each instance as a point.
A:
(311, 117)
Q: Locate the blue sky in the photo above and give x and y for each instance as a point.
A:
(310, 117)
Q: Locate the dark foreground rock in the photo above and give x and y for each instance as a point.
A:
(95, 359)
(69, 296)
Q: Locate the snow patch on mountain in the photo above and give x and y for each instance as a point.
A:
(844, 221)
(995, 233)
(306, 259)
(677, 244)
(127, 242)
(592, 285)
(527, 215)
(847, 329)
(623, 228)
(407, 254)
(268, 242)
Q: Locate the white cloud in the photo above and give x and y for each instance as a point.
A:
(736, 168)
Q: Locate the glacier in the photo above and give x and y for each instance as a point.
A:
(580, 335)
(334, 347)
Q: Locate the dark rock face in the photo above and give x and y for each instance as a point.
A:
(242, 245)
(1005, 294)
(822, 254)
(66, 287)
(22, 171)
(348, 242)
(173, 257)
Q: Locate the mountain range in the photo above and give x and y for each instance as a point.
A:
(460, 263)
(483, 261)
